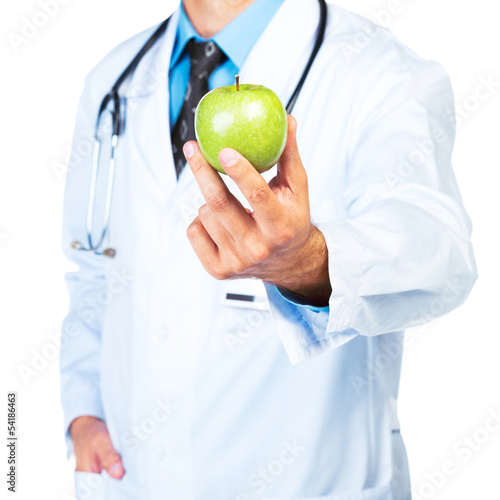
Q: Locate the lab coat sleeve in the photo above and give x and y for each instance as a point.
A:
(81, 328)
(401, 256)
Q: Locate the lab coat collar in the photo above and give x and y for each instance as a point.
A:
(237, 38)
(271, 62)
(151, 74)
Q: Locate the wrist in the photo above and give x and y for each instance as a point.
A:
(307, 277)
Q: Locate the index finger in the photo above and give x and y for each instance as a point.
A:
(217, 195)
(253, 186)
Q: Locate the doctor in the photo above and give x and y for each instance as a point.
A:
(181, 377)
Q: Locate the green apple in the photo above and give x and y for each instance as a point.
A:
(248, 118)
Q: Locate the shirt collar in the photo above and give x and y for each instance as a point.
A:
(236, 38)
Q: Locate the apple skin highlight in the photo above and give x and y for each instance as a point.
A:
(251, 120)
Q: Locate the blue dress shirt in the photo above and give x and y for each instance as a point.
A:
(235, 39)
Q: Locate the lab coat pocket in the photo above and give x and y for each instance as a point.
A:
(91, 486)
(243, 315)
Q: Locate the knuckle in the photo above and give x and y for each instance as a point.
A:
(193, 230)
(284, 235)
(110, 458)
(219, 274)
(204, 211)
(236, 264)
(258, 253)
(239, 267)
(217, 201)
(228, 269)
(196, 164)
(259, 195)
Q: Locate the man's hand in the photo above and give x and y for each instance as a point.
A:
(275, 242)
(94, 451)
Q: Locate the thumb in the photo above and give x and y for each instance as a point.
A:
(109, 457)
(290, 168)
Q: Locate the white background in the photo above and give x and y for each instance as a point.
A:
(451, 368)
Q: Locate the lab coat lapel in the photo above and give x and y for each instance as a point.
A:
(147, 103)
(148, 92)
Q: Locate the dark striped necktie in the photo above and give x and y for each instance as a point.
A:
(204, 58)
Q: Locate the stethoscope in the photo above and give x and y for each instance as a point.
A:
(117, 128)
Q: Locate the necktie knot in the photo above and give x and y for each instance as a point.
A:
(205, 56)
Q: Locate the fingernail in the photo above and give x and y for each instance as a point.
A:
(188, 150)
(116, 470)
(227, 157)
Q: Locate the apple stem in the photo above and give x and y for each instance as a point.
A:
(237, 83)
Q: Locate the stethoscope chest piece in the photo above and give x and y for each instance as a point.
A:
(109, 252)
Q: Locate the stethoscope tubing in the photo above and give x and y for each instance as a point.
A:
(117, 128)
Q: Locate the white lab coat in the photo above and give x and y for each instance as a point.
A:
(214, 399)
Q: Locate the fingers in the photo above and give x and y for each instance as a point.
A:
(108, 457)
(222, 203)
(93, 448)
(219, 234)
(87, 462)
(204, 246)
(253, 186)
(227, 238)
(291, 171)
